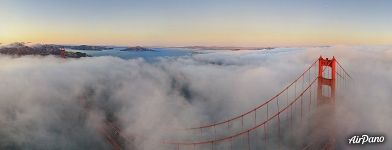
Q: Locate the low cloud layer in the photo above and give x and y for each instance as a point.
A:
(41, 108)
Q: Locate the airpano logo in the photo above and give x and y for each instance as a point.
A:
(365, 139)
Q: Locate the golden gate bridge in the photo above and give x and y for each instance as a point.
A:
(301, 116)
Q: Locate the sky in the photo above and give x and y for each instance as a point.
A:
(197, 22)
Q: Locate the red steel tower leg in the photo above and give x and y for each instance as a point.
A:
(327, 99)
(326, 81)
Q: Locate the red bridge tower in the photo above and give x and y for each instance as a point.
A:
(326, 94)
(326, 82)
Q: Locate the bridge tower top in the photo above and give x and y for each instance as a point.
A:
(326, 84)
(328, 63)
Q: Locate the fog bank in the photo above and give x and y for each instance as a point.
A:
(40, 106)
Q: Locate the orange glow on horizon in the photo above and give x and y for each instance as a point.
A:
(189, 36)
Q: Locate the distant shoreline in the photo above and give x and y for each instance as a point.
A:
(21, 49)
(233, 48)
